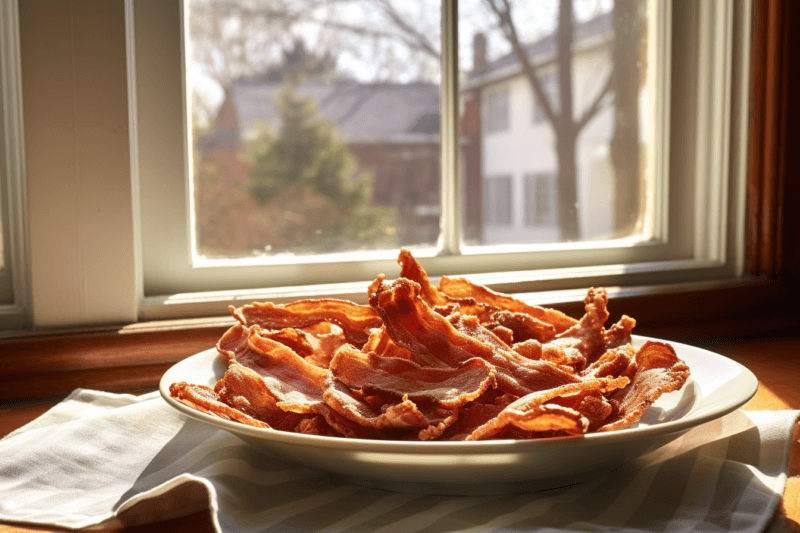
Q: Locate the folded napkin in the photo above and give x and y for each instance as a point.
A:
(105, 459)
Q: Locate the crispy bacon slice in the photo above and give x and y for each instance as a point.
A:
(400, 378)
(355, 320)
(380, 343)
(403, 415)
(436, 342)
(620, 333)
(656, 369)
(612, 363)
(411, 269)
(462, 288)
(584, 341)
(204, 399)
(294, 383)
(515, 412)
(524, 326)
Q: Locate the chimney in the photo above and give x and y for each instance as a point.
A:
(478, 52)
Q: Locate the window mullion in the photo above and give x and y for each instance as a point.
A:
(451, 187)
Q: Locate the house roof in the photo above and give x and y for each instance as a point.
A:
(370, 112)
(585, 35)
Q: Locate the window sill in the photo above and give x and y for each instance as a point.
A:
(49, 364)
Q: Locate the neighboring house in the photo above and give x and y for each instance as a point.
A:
(510, 163)
(392, 129)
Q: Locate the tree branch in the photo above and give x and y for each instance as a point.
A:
(503, 12)
(595, 107)
(421, 39)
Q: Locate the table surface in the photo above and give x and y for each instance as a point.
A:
(774, 361)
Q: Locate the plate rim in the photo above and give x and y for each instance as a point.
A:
(746, 392)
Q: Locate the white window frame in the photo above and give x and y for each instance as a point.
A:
(14, 280)
(707, 96)
(710, 248)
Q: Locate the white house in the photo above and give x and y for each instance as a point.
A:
(518, 162)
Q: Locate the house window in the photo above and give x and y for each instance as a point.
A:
(498, 206)
(497, 111)
(541, 199)
(551, 90)
(684, 167)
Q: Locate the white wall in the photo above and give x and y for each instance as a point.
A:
(530, 148)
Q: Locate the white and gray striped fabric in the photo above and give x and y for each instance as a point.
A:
(100, 458)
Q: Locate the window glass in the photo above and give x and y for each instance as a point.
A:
(581, 165)
(315, 126)
(496, 105)
(499, 210)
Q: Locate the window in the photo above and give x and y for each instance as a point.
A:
(541, 199)
(697, 55)
(14, 298)
(497, 111)
(498, 207)
(689, 45)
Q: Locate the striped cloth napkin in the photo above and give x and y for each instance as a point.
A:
(106, 459)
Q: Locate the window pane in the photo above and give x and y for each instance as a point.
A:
(579, 164)
(315, 125)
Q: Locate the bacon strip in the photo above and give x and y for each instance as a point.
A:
(355, 320)
(515, 412)
(401, 378)
(403, 415)
(462, 288)
(584, 341)
(656, 369)
(411, 269)
(206, 400)
(435, 342)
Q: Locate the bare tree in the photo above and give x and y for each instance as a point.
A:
(625, 141)
(566, 127)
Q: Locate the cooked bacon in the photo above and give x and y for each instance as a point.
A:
(612, 363)
(530, 349)
(244, 390)
(462, 288)
(355, 320)
(436, 342)
(298, 340)
(620, 333)
(501, 332)
(411, 269)
(398, 378)
(295, 384)
(586, 339)
(380, 343)
(404, 415)
(515, 412)
(316, 425)
(515, 374)
(206, 400)
(457, 362)
(656, 369)
(524, 326)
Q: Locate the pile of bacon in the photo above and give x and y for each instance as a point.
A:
(457, 362)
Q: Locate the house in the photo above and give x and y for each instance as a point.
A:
(509, 157)
(391, 129)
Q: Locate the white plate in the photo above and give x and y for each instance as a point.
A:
(717, 386)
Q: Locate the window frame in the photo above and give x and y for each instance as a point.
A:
(712, 249)
(712, 259)
(14, 280)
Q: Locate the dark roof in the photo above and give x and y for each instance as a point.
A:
(597, 29)
(373, 112)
